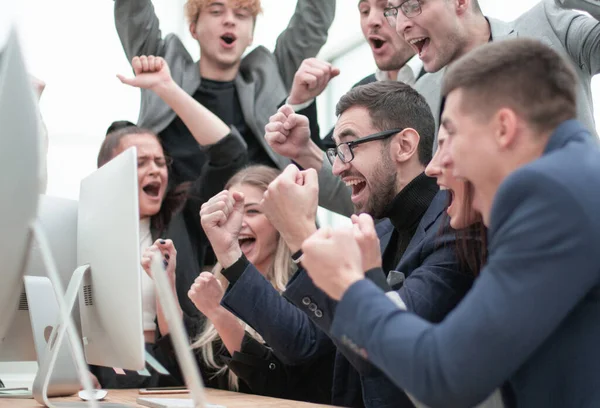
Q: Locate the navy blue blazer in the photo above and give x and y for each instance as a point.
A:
(298, 328)
(532, 319)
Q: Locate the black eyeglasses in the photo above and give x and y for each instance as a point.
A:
(410, 8)
(344, 150)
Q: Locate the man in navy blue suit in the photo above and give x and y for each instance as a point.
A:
(384, 133)
(531, 322)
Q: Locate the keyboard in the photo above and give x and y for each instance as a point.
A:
(171, 403)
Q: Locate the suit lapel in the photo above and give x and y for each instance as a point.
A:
(501, 30)
(436, 208)
(245, 93)
(190, 80)
(384, 230)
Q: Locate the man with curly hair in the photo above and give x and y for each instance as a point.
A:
(244, 91)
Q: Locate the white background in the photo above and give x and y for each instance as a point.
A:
(73, 46)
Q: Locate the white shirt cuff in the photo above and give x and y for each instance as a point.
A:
(300, 106)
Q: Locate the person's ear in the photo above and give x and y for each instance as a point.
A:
(404, 145)
(505, 127)
(193, 31)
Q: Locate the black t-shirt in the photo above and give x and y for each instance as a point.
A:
(220, 98)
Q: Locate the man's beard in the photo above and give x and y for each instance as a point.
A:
(383, 188)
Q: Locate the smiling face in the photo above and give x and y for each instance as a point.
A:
(371, 174)
(258, 237)
(152, 171)
(389, 50)
(223, 29)
(460, 208)
(436, 34)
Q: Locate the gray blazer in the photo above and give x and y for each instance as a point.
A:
(568, 32)
(264, 79)
(571, 33)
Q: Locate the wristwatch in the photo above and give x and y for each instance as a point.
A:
(297, 256)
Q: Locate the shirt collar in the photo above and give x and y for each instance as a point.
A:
(407, 74)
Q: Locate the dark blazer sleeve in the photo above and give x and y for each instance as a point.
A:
(532, 246)
(224, 159)
(440, 282)
(294, 338)
(265, 374)
(431, 290)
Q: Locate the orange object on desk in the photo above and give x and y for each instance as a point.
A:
(227, 398)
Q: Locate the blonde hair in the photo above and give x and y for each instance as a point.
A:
(194, 7)
(278, 274)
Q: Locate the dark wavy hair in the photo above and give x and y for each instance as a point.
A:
(175, 196)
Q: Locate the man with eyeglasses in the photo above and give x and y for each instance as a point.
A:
(441, 31)
(384, 137)
(394, 58)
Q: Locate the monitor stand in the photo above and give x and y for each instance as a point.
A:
(66, 302)
(39, 301)
(42, 384)
(185, 358)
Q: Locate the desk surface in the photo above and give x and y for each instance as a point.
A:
(226, 398)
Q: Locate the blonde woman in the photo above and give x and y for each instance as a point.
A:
(230, 354)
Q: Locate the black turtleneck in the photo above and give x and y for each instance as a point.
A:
(405, 212)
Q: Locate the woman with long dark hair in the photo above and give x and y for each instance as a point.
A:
(170, 211)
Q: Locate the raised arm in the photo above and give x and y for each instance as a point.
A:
(294, 338)
(519, 300)
(153, 73)
(138, 28)
(206, 293)
(304, 36)
(288, 134)
(580, 34)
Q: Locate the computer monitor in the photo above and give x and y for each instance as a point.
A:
(110, 299)
(58, 217)
(19, 166)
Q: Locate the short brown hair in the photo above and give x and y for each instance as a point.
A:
(394, 104)
(194, 7)
(522, 74)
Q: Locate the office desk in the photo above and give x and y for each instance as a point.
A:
(226, 398)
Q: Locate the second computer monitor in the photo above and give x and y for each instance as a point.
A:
(108, 241)
(58, 218)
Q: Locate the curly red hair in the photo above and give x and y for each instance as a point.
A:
(194, 7)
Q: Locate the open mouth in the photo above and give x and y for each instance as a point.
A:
(228, 38)
(376, 43)
(451, 199)
(420, 44)
(152, 189)
(246, 243)
(357, 186)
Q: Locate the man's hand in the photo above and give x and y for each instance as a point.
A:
(288, 133)
(368, 241)
(310, 80)
(206, 293)
(165, 249)
(150, 73)
(333, 260)
(221, 217)
(290, 203)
